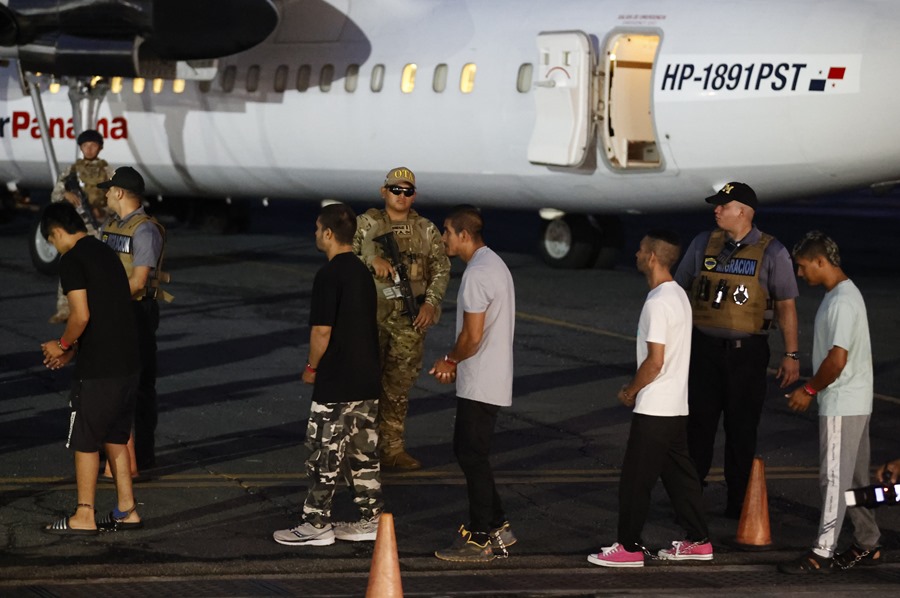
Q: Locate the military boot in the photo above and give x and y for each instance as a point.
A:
(399, 460)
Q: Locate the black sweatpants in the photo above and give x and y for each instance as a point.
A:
(472, 446)
(657, 448)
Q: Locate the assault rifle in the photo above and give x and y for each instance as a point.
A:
(401, 289)
(72, 184)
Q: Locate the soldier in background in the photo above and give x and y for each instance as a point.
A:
(90, 170)
(401, 337)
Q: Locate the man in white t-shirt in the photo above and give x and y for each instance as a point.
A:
(481, 362)
(843, 383)
(657, 443)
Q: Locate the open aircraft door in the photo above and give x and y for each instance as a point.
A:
(562, 128)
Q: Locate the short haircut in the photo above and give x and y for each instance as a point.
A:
(341, 220)
(816, 243)
(61, 214)
(467, 218)
(666, 244)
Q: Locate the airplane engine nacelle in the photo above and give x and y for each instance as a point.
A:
(117, 37)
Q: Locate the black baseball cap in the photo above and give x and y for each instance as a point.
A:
(125, 177)
(739, 192)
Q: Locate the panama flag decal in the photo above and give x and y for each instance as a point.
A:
(835, 73)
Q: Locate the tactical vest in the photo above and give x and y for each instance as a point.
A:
(120, 236)
(729, 295)
(91, 173)
(412, 242)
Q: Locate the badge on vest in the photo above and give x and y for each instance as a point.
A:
(710, 263)
(402, 230)
(741, 295)
(119, 243)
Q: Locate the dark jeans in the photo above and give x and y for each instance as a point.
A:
(730, 380)
(146, 313)
(657, 448)
(472, 446)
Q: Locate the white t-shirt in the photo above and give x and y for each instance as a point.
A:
(841, 321)
(666, 319)
(487, 287)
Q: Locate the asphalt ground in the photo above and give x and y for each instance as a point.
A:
(233, 411)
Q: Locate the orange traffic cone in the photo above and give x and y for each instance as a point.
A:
(384, 575)
(753, 529)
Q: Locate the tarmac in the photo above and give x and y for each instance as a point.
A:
(233, 410)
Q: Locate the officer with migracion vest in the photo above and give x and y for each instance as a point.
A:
(424, 270)
(139, 240)
(740, 282)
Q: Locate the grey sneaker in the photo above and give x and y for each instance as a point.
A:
(502, 538)
(305, 534)
(364, 530)
(465, 550)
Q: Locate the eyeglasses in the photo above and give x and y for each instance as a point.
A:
(398, 190)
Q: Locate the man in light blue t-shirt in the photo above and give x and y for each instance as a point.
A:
(843, 385)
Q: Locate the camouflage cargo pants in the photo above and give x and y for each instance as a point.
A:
(342, 437)
(401, 361)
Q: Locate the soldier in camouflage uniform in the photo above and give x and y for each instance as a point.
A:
(401, 341)
(91, 171)
(343, 367)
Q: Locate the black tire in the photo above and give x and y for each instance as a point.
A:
(569, 242)
(43, 255)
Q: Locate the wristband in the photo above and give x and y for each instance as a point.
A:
(809, 390)
(793, 355)
(310, 368)
(63, 345)
(452, 362)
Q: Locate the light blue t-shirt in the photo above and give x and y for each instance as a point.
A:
(841, 321)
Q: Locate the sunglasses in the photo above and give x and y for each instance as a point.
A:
(398, 190)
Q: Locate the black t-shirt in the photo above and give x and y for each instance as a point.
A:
(108, 348)
(343, 297)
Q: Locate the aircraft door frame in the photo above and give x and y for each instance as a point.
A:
(563, 124)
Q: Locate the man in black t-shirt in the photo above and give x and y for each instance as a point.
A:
(344, 369)
(101, 330)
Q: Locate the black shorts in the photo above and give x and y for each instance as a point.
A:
(102, 412)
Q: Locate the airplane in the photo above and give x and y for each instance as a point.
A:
(580, 109)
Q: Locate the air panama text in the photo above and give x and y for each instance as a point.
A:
(23, 124)
(747, 77)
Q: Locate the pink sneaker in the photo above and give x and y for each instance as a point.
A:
(688, 551)
(617, 556)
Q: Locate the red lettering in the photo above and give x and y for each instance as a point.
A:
(20, 122)
(119, 129)
(102, 127)
(70, 129)
(57, 127)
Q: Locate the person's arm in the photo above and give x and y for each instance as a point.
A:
(79, 316)
(646, 373)
(466, 346)
(892, 469)
(789, 370)
(829, 370)
(138, 279)
(319, 337)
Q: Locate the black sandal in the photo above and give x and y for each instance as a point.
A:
(61, 526)
(808, 563)
(114, 521)
(858, 556)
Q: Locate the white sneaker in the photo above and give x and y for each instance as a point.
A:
(365, 530)
(305, 534)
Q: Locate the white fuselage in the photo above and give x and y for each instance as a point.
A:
(794, 97)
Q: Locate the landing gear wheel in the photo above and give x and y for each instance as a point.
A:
(43, 255)
(569, 242)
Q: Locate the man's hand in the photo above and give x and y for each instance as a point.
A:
(308, 377)
(54, 363)
(383, 268)
(425, 319)
(51, 350)
(443, 371)
(798, 400)
(72, 198)
(789, 372)
(892, 469)
(624, 397)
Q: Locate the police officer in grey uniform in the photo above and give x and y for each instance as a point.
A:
(740, 282)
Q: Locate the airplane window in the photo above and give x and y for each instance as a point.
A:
(303, 77)
(138, 86)
(228, 77)
(377, 78)
(326, 76)
(157, 85)
(115, 85)
(351, 78)
(178, 86)
(408, 81)
(253, 78)
(467, 78)
(526, 74)
(440, 78)
(281, 74)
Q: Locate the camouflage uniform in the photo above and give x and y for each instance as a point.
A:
(342, 433)
(90, 173)
(402, 345)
